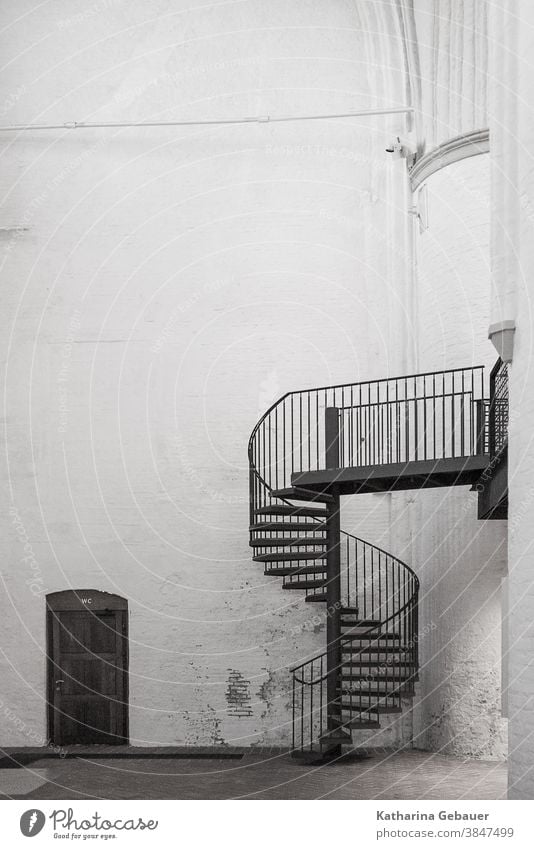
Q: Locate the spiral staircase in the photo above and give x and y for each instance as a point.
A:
(309, 450)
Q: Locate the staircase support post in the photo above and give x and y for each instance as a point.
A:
(333, 611)
(331, 432)
(333, 570)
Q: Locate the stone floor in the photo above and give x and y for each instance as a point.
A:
(406, 775)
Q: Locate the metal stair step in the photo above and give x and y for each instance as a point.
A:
(294, 570)
(369, 691)
(371, 637)
(285, 556)
(370, 716)
(404, 690)
(337, 737)
(289, 510)
(316, 598)
(358, 659)
(275, 542)
(367, 663)
(307, 527)
(377, 708)
(362, 723)
(303, 585)
(300, 494)
(367, 710)
(365, 676)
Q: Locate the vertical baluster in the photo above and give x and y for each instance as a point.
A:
(474, 422)
(405, 598)
(372, 422)
(347, 568)
(317, 433)
(364, 580)
(372, 581)
(425, 424)
(321, 697)
(311, 703)
(324, 417)
(292, 433)
(351, 428)
(356, 413)
(416, 422)
(397, 599)
(284, 442)
(453, 414)
(293, 714)
(309, 432)
(372, 429)
(387, 427)
(381, 452)
(462, 417)
(387, 587)
(300, 431)
(365, 442)
(356, 574)
(375, 432)
(276, 446)
(302, 701)
(407, 425)
(361, 445)
(269, 448)
(380, 568)
(265, 472)
(443, 428)
(369, 432)
(396, 408)
(434, 446)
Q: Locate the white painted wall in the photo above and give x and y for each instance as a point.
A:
(460, 561)
(512, 127)
(161, 289)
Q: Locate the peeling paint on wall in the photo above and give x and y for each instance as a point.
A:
(275, 690)
(203, 727)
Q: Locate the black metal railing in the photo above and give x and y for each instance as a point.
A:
(498, 408)
(430, 416)
(383, 589)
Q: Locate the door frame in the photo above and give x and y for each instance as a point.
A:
(84, 600)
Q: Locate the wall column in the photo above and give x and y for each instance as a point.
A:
(512, 134)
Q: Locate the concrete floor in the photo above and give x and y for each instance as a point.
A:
(406, 775)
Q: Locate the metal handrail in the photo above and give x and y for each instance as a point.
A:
(429, 415)
(383, 380)
(291, 436)
(346, 641)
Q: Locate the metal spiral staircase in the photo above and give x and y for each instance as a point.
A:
(307, 451)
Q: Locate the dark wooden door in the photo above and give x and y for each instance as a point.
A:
(88, 659)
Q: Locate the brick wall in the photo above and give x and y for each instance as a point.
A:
(161, 289)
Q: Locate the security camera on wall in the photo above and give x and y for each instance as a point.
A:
(395, 148)
(402, 148)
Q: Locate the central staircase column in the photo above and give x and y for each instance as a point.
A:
(333, 573)
(333, 611)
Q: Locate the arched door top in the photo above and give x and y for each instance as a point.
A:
(85, 600)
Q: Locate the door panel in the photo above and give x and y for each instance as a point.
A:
(88, 676)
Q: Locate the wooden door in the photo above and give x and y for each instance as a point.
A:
(88, 661)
